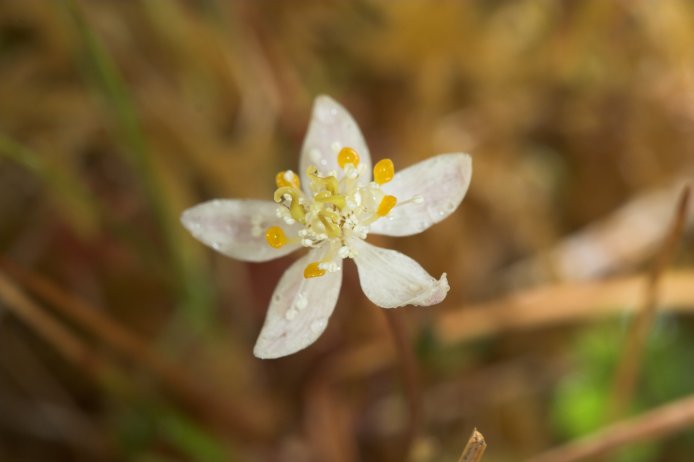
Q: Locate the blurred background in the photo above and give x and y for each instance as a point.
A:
(123, 339)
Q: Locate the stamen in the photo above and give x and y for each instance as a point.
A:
(275, 237)
(295, 207)
(347, 156)
(312, 270)
(387, 203)
(287, 178)
(384, 170)
(416, 199)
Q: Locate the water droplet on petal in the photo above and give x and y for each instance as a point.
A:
(326, 115)
(318, 325)
(291, 314)
(301, 302)
(315, 155)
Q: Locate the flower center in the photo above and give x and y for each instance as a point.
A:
(334, 210)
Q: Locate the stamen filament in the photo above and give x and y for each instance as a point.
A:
(416, 199)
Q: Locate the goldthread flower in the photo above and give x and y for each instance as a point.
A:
(330, 208)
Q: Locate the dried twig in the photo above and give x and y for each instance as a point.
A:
(64, 341)
(198, 397)
(560, 304)
(659, 422)
(612, 239)
(474, 449)
(627, 372)
(530, 309)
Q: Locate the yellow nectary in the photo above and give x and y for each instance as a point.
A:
(287, 178)
(384, 170)
(313, 270)
(386, 205)
(347, 156)
(275, 237)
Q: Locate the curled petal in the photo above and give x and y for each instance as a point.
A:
(237, 228)
(391, 279)
(331, 128)
(299, 309)
(436, 187)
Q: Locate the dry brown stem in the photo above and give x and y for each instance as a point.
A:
(620, 239)
(628, 367)
(196, 396)
(659, 422)
(535, 308)
(561, 304)
(474, 449)
(64, 341)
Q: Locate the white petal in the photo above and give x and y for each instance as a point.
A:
(237, 228)
(331, 128)
(440, 181)
(299, 309)
(391, 279)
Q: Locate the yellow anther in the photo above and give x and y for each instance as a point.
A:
(386, 205)
(313, 271)
(295, 208)
(329, 182)
(347, 156)
(384, 171)
(287, 178)
(275, 237)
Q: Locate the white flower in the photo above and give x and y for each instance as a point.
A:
(330, 210)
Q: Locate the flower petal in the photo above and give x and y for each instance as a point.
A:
(299, 309)
(331, 129)
(441, 181)
(236, 227)
(391, 279)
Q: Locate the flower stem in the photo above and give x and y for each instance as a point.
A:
(410, 377)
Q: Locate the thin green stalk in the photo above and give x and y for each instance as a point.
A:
(194, 293)
(59, 180)
(75, 194)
